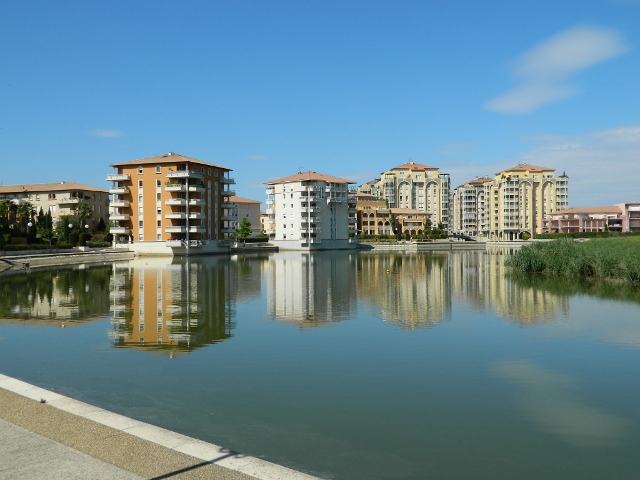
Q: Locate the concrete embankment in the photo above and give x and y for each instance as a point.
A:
(35, 260)
(47, 435)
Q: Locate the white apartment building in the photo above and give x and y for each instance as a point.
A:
(466, 217)
(413, 186)
(309, 211)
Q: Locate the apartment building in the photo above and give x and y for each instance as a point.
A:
(309, 211)
(467, 208)
(413, 186)
(60, 198)
(249, 209)
(172, 204)
(623, 217)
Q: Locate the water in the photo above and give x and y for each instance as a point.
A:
(346, 366)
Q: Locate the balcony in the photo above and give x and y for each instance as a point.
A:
(310, 230)
(119, 190)
(62, 201)
(185, 174)
(271, 190)
(175, 229)
(197, 188)
(120, 230)
(270, 202)
(229, 218)
(309, 209)
(175, 187)
(196, 215)
(175, 216)
(119, 216)
(119, 203)
(310, 189)
(197, 229)
(353, 221)
(118, 177)
(352, 211)
(196, 202)
(227, 180)
(270, 231)
(270, 211)
(228, 230)
(228, 193)
(176, 202)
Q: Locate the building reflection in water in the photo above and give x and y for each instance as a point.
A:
(311, 290)
(172, 306)
(62, 296)
(481, 279)
(409, 290)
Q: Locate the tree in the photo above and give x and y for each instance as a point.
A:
(25, 213)
(83, 212)
(244, 229)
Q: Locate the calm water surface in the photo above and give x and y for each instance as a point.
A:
(346, 366)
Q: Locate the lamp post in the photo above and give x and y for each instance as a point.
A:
(29, 225)
(70, 227)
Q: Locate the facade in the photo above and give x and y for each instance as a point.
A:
(60, 198)
(172, 204)
(373, 215)
(413, 186)
(623, 217)
(467, 209)
(249, 209)
(413, 222)
(309, 211)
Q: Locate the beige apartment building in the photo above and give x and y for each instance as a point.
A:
(466, 218)
(309, 211)
(514, 203)
(249, 209)
(413, 186)
(375, 218)
(60, 198)
(172, 204)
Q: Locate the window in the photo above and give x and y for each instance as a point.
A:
(208, 171)
(158, 183)
(158, 169)
(139, 198)
(99, 196)
(139, 183)
(158, 196)
(159, 223)
(37, 197)
(139, 170)
(30, 197)
(159, 237)
(202, 169)
(140, 223)
(140, 237)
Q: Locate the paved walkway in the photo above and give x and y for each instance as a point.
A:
(45, 435)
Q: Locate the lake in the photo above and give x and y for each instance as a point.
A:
(346, 365)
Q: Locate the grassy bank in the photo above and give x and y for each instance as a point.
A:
(610, 258)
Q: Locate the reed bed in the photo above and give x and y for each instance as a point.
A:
(610, 258)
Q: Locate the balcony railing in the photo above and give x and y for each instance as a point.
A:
(196, 202)
(227, 180)
(119, 216)
(175, 187)
(119, 203)
(228, 230)
(176, 201)
(196, 188)
(120, 230)
(229, 218)
(118, 177)
(228, 193)
(185, 174)
(175, 216)
(119, 190)
(175, 229)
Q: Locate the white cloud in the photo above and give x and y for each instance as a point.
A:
(543, 70)
(547, 399)
(106, 133)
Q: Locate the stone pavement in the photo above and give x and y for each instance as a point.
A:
(46, 435)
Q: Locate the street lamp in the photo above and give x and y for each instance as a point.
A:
(29, 225)
(70, 227)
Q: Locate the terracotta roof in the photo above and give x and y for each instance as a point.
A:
(166, 158)
(234, 199)
(408, 211)
(49, 187)
(525, 167)
(477, 181)
(612, 209)
(306, 176)
(413, 166)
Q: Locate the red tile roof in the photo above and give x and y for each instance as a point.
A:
(413, 166)
(49, 187)
(525, 167)
(308, 176)
(166, 158)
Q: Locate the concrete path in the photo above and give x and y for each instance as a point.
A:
(47, 435)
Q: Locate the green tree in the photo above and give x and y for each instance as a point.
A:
(83, 212)
(244, 229)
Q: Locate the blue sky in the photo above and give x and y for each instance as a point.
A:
(347, 88)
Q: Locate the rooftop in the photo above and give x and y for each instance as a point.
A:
(234, 199)
(308, 176)
(414, 166)
(526, 167)
(49, 187)
(165, 158)
(586, 210)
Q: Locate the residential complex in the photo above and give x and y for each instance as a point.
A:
(515, 202)
(249, 209)
(413, 186)
(375, 218)
(623, 217)
(60, 198)
(308, 211)
(172, 204)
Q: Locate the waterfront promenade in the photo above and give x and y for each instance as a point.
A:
(47, 435)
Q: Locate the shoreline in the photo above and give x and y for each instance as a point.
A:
(131, 445)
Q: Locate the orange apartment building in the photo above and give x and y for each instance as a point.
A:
(172, 205)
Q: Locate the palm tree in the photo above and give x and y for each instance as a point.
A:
(83, 212)
(25, 212)
(5, 206)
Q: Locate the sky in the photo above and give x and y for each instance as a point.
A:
(346, 88)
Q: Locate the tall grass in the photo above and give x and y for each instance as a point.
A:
(611, 258)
